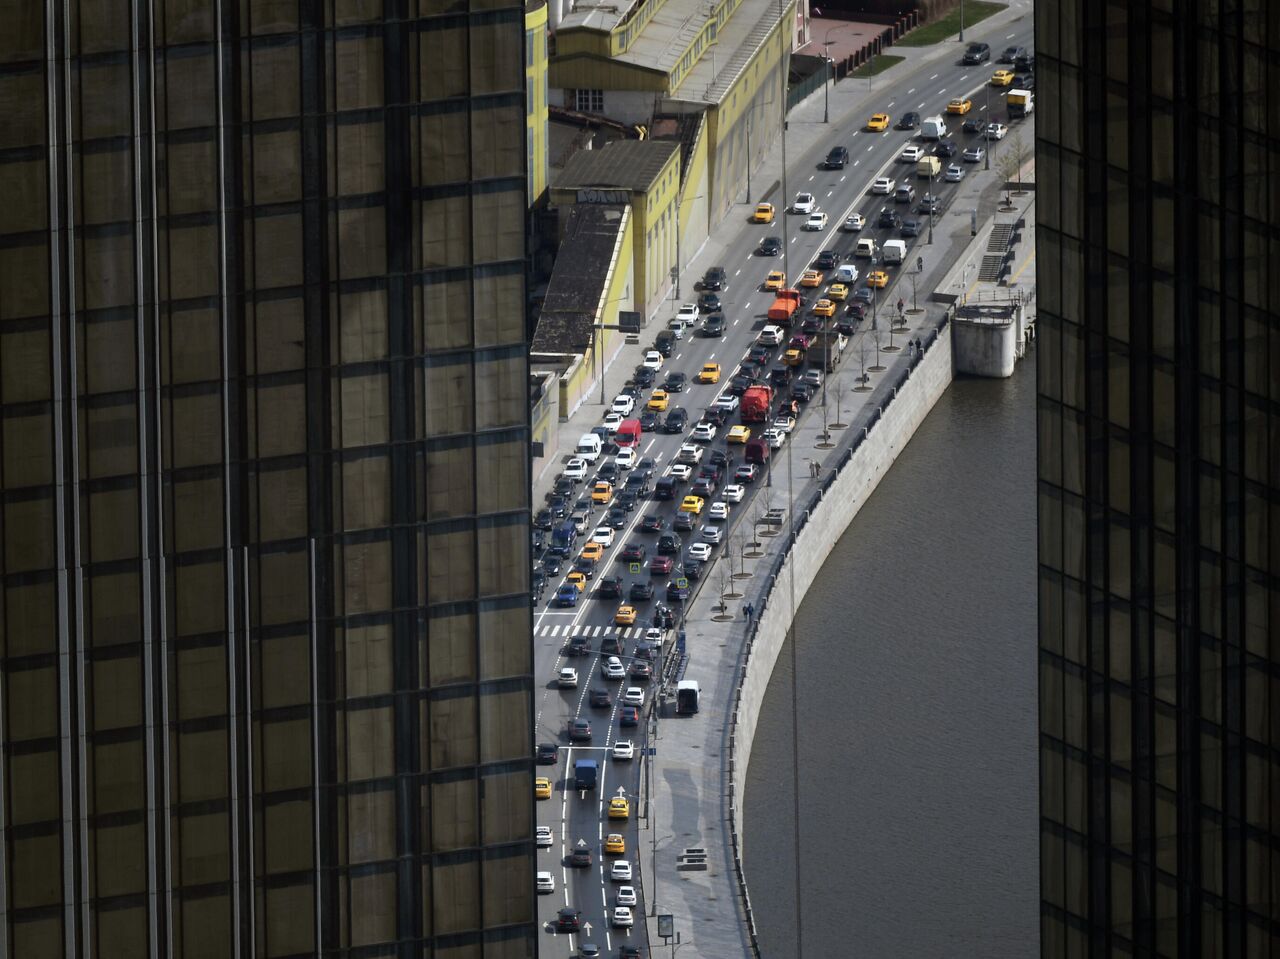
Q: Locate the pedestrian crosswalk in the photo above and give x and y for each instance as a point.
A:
(622, 632)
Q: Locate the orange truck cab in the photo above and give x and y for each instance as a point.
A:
(784, 307)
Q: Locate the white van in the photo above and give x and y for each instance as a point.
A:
(866, 247)
(771, 336)
(933, 128)
(847, 274)
(895, 251)
(589, 447)
(928, 167)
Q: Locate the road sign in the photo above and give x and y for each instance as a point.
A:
(635, 568)
(666, 925)
(682, 582)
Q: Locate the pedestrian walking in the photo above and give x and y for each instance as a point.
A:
(748, 609)
(817, 469)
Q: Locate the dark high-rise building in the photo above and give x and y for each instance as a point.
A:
(265, 686)
(1158, 279)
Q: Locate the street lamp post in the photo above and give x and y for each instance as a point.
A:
(932, 200)
(962, 21)
(986, 153)
(830, 75)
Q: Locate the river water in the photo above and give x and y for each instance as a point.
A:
(917, 686)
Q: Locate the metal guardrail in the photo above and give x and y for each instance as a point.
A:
(886, 392)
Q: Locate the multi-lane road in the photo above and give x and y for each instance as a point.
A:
(579, 820)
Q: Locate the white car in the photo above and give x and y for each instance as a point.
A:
(626, 895)
(653, 634)
(996, 131)
(854, 223)
(690, 453)
(882, 186)
(974, 154)
(626, 458)
(704, 432)
(634, 696)
(784, 423)
(733, 493)
(576, 470)
(775, 438)
(568, 678)
(771, 336)
(613, 668)
(804, 203)
(726, 401)
(546, 882)
(620, 871)
(688, 313)
(700, 551)
(603, 535)
(653, 360)
(612, 421)
(623, 404)
(680, 472)
(911, 154)
(622, 918)
(816, 221)
(676, 327)
(545, 838)
(623, 749)
(954, 174)
(718, 511)
(712, 534)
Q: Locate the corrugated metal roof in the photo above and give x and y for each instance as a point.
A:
(578, 278)
(623, 164)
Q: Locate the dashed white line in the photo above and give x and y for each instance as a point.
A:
(911, 91)
(829, 192)
(921, 106)
(935, 76)
(1011, 36)
(811, 176)
(870, 148)
(856, 162)
(842, 179)
(738, 273)
(890, 103)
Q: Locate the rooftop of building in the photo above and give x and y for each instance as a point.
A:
(598, 16)
(621, 164)
(737, 41)
(578, 279)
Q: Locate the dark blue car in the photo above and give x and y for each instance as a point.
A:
(567, 595)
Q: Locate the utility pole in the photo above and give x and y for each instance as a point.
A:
(962, 21)
(932, 202)
(986, 153)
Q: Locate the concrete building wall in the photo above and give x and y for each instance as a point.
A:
(985, 349)
(854, 484)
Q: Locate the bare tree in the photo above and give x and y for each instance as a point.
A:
(838, 392)
(738, 544)
(1009, 163)
(724, 579)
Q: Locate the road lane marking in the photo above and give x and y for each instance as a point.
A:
(911, 91)
(935, 76)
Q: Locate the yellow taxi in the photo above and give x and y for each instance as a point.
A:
(961, 105)
(763, 214)
(602, 492)
(811, 278)
(878, 122)
(625, 616)
(776, 280)
(619, 808)
(577, 580)
(1002, 78)
(614, 844)
(878, 278)
(739, 434)
(691, 504)
(593, 552)
(793, 357)
(837, 291)
(824, 307)
(542, 788)
(710, 373)
(658, 401)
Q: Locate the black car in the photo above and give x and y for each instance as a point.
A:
(677, 420)
(569, 920)
(1025, 63)
(713, 325)
(559, 506)
(600, 698)
(563, 487)
(692, 569)
(802, 392)
(911, 227)
(611, 646)
(669, 544)
(633, 553)
(577, 646)
(543, 519)
(552, 564)
(946, 148)
(617, 516)
(910, 120)
(716, 416)
(760, 355)
(780, 375)
(738, 384)
(929, 204)
(719, 459)
(547, 755)
(826, 260)
(857, 309)
(665, 343)
(587, 567)
(684, 522)
(1011, 54)
(889, 218)
(665, 488)
(977, 53)
(579, 731)
(674, 383)
(644, 376)
(626, 500)
(629, 716)
(812, 325)
(648, 421)
(638, 482)
(652, 523)
(641, 591)
(630, 952)
(714, 279)
(640, 670)
(646, 650)
(771, 246)
(580, 858)
(1024, 81)
(608, 472)
(836, 159)
(974, 125)
(864, 294)
(845, 328)
(610, 587)
(708, 302)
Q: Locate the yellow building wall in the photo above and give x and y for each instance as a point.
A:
(694, 225)
(536, 114)
(656, 235)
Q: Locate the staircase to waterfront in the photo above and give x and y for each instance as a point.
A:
(993, 258)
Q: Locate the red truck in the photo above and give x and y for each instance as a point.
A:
(755, 404)
(784, 307)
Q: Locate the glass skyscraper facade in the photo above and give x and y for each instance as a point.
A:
(265, 655)
(1158, 279)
